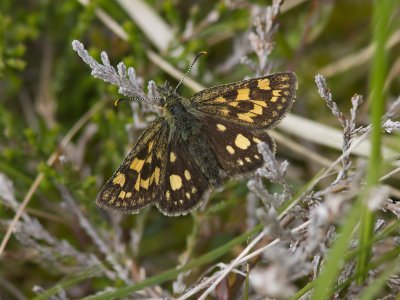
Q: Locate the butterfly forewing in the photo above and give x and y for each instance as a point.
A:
(258, 103)
(185, 186)
(137, 182)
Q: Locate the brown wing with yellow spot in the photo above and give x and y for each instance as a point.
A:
(258, 102)
(235, 146)
(185, 187)
(137, 182)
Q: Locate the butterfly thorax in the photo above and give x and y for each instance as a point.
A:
(179, 114)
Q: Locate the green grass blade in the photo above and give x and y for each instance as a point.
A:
(392, 227)
(381, 17)
(334, 262)
(371, 292)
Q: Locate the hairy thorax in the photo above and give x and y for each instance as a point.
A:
(181, 119)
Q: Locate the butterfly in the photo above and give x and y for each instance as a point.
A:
(197, 142)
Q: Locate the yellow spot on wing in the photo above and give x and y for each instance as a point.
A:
(256, 140)
(243, 94)
(230, 149)
(119, 179)
(151, 144)
(220, 100)
(263, 84)
(224, 111)
(221, 127)
(276, 93)
(155, 175)
(187, 175)
(145, 183)
(128, 195)
(137, 184)
(187, 195)
(172, 156)
(242, 142)
(137, 164)
(258, 110)
(167, 195)
(284, 78)
(247, 117)
(175, 181)
(121, 195)
(260, 102)
(234, 103)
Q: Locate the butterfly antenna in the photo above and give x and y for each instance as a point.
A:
(191, 66)
(118, 101)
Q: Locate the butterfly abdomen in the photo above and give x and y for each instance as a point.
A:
(201, 151)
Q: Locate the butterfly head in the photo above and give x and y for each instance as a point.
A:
(171, 101)
(168, 96)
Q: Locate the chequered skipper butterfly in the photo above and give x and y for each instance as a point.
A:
(197, 142)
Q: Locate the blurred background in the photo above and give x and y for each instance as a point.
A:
(61, 137)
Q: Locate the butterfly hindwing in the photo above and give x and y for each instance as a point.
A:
(137, 182)
(258, 103)
(185, 186)
(235, 146)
